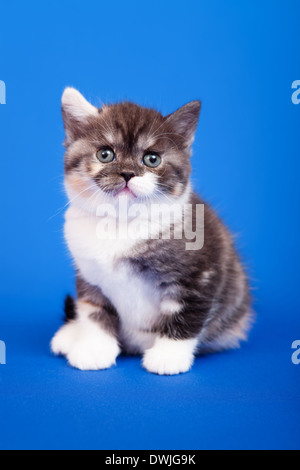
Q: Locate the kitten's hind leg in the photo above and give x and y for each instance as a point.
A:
(88, 341)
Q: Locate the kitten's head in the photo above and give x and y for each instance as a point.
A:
(124, 149)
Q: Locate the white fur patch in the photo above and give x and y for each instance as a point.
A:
(170, 357)
(143, 185)
(134, 298)
(86, 345)
(65, 339)
(170, 307)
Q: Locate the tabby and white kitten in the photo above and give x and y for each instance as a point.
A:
(146, 295)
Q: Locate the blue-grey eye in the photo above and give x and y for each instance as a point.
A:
(105, 155)
(152, 160)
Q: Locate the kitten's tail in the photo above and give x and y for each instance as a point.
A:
(70, 309)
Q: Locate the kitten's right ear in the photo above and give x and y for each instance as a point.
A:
(75, 111)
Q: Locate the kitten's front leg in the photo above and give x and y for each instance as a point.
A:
(170, 356)
(176, 341)
(89, 341)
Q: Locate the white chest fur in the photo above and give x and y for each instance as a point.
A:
(100, 263)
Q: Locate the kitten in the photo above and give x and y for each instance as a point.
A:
(147, 294)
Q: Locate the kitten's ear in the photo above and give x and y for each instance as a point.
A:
(75, 111)
(185, 120)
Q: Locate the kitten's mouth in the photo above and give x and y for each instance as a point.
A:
(125, 191)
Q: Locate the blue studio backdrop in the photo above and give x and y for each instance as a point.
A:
(240, 59)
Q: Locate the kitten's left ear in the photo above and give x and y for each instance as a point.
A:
(75, 110)
(185, 120)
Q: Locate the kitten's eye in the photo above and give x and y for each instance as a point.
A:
(152, 160)
(106, 155)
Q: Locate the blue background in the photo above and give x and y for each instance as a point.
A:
(240, 59)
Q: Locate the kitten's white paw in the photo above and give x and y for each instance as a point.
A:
(170, 357)
(64, 339)
(92, 354)
(86, 345)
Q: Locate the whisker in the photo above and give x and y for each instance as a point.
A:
(69, 202)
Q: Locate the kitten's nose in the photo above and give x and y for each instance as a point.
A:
(127, 176)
